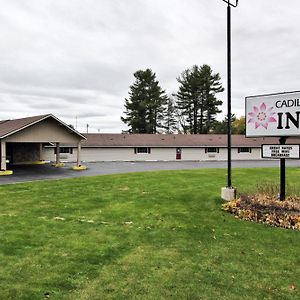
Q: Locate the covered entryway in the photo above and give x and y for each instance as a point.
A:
(19, 153)
(22, 140)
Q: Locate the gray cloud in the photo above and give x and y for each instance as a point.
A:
(78, 58)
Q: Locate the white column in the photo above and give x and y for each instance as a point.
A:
(79, 154)
(41, 151)
(3, 155)
(57, 153)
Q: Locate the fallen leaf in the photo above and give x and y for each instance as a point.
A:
(128, 223)
(59, 218)
(103, 222)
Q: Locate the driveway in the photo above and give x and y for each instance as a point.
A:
(42, 172)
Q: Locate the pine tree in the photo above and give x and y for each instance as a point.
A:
(196, 98)
(188, 98)
(211, 86)
(145, 107)
(221, 127)
(170, 120)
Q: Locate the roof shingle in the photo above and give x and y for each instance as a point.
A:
(10, 126)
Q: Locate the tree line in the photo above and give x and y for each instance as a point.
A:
(193, 109)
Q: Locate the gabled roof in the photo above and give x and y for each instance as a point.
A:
(9, 127)
(174, 140)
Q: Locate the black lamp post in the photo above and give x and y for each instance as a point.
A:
(229, 5)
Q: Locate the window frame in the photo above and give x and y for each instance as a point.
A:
(209, 150)
(64, 150)
(146, 150)
(242, 150)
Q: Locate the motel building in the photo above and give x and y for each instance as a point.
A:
(160, 147)
(46, 139)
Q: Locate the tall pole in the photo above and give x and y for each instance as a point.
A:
(229, 95)
(229, 4)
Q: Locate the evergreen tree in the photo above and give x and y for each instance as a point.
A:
(211, 86)
(145, 107)
(196, 98)
(188, 98)
(170, 123)
(221, 127)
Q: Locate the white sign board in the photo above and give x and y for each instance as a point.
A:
(280, 151)
(273, 115)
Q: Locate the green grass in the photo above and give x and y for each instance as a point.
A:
(154, 235)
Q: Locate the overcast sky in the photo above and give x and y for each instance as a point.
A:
(77, 57)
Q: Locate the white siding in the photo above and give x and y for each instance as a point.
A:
(46, 131)
(199, 154)
(255, 154)
(161, 154)
(192, 153)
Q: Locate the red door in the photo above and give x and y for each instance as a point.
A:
(178, 153)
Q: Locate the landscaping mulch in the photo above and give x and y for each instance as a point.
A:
(263, 208)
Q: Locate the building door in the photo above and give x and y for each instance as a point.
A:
(178, 153)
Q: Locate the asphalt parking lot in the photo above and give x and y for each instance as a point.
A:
(43, 172)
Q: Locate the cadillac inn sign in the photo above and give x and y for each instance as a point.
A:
(273, 115)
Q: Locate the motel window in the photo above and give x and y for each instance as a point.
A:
(142, 150)
(68, 150)
(244, 150)
(211, 150)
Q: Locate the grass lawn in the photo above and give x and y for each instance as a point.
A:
(153, 235)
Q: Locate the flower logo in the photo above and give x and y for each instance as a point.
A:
(262, 116)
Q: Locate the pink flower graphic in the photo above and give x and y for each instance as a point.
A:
(262, 116)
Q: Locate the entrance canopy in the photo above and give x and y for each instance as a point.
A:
(23, 139)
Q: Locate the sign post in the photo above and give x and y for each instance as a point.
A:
(275, 115)
(281, 151)
(282, 141)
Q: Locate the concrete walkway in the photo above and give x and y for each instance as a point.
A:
(42, 172)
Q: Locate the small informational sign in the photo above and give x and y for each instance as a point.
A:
(275, 115)
(281, 151)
